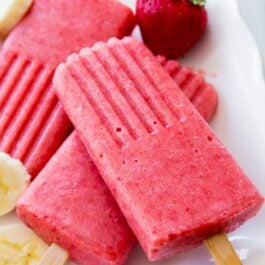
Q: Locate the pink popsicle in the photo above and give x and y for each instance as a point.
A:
(64, 181)
(172, 178)
(69, 203)
(32, 122)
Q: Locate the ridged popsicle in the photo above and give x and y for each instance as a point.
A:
(172, 178)
(69, 204)
(32, 122)
(90, 201)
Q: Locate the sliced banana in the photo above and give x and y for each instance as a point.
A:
(20, 246)
(11, 12)
(14, 179)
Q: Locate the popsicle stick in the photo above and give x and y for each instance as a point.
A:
(54, 256)
(222, 250)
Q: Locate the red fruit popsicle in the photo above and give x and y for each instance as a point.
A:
(71, 181)
(69, 203)
(172, 178)
(32, 122)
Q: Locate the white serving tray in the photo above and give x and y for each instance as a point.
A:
(253, 12)
(229, 57)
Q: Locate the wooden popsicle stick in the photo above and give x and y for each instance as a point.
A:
(55, 255)
(222, 250)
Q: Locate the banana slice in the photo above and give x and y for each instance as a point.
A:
(11, 12)
(14, 179)
(20, 246)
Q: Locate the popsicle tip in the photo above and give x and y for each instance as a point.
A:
(173, 65)
(97, 46)
(59, 68)
(59, 72)
(113, 40)
(72, 58)
(126, 39)
(84, 51)
(162, 59)
(129, 40)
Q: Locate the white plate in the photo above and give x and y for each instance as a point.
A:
(229, 57)
(253, 14)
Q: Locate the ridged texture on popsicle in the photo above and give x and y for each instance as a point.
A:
(69, 204)
(32, 122)
(31, 213)
(201, 94)
(172, 178)
(35, 134)
(194, 87)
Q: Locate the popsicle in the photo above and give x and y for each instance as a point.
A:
(174, 181)
(70, 205)
(72, 164)
(32, 122)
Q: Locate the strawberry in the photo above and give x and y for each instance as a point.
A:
(171, 27)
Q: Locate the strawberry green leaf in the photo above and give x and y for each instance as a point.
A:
(198, 2)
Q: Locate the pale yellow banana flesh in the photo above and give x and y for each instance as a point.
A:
(11, 12)
(14, 179)
(20, 246)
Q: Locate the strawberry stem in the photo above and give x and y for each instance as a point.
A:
(198, 2)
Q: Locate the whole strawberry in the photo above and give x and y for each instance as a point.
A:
(171, 27)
